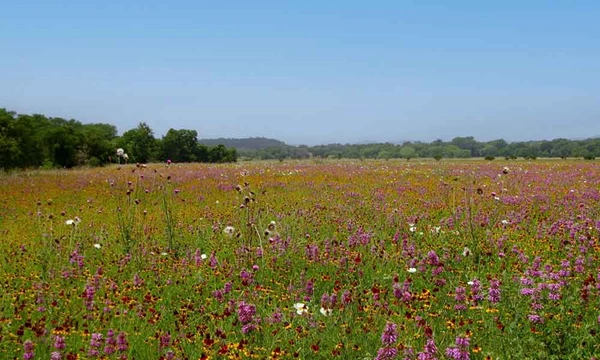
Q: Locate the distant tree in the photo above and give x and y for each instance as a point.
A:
(467, 143)
(221, 154)
(98, 143)
(180, 145)
(408, 152)
(9, 141)
(384, 154)
(62, 142)
(139, 143)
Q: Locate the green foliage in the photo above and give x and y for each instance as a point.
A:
(37, 141)
(461, 147)
(139, 143)
(180, 145)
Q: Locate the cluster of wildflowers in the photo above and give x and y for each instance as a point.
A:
(389, 337)
(460, 351)
(494, 291)
(429, 352)
(95, 344)
(327, 303)
(246, 316)
(28, 348)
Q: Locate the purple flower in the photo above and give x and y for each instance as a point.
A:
(122, 344)
(386, 353)
(276, 317)
(346, 297)
(95, 340)
(28, 347)
(137, 280)
(227, 287)
(494, 292)
(461, 350)
(534, 318)
(248, 328)
(527, 291)
(309, 287)
(55, 356)
(247, 277)
(429, 351)
(459, 294)
(390, 334)
(165, 340)
(432, 258)
(59, 342)
(246, 312)
(462, 342)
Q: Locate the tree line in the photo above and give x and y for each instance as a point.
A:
(33, 141)
(459, 147)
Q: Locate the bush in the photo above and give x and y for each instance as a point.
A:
(489, 157)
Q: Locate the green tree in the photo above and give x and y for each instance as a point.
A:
(408, 152)
(98, 143)
(180, 145)
(62, 142)
(139, 143)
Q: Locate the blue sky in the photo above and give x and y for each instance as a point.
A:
(309, 72)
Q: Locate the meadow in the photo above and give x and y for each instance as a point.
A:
(309, 260)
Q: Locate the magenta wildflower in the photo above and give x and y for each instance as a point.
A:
(248, 328)
(346, 297)
(390, 334)
(460, 297)
(95, 340)
(386, 353)
(122, 344)
(28, 348)
(535, 319)
(165, 340)
(59, 342)
(213, 261)
(94, 345)
(246, 312)
(494, 292)
(460, 351)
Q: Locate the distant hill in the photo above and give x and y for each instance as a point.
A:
(253, 143)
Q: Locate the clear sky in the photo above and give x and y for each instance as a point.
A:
(309, 72)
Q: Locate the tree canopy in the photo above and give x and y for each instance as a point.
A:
(30, 141)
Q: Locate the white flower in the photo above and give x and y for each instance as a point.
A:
(496, 198)
(470, 283)
(436, 229)
(300, 308)
(164, 254)
(412, 270)
(325, 312)
(271, 230)
(203, 256)
(229, 231)
(466, 251)
(412, 227)
(120, 152)
(97, 246)
(504, 222)
(125, 156)
(74, 221)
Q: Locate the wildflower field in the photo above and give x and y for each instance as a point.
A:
(309, 260)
